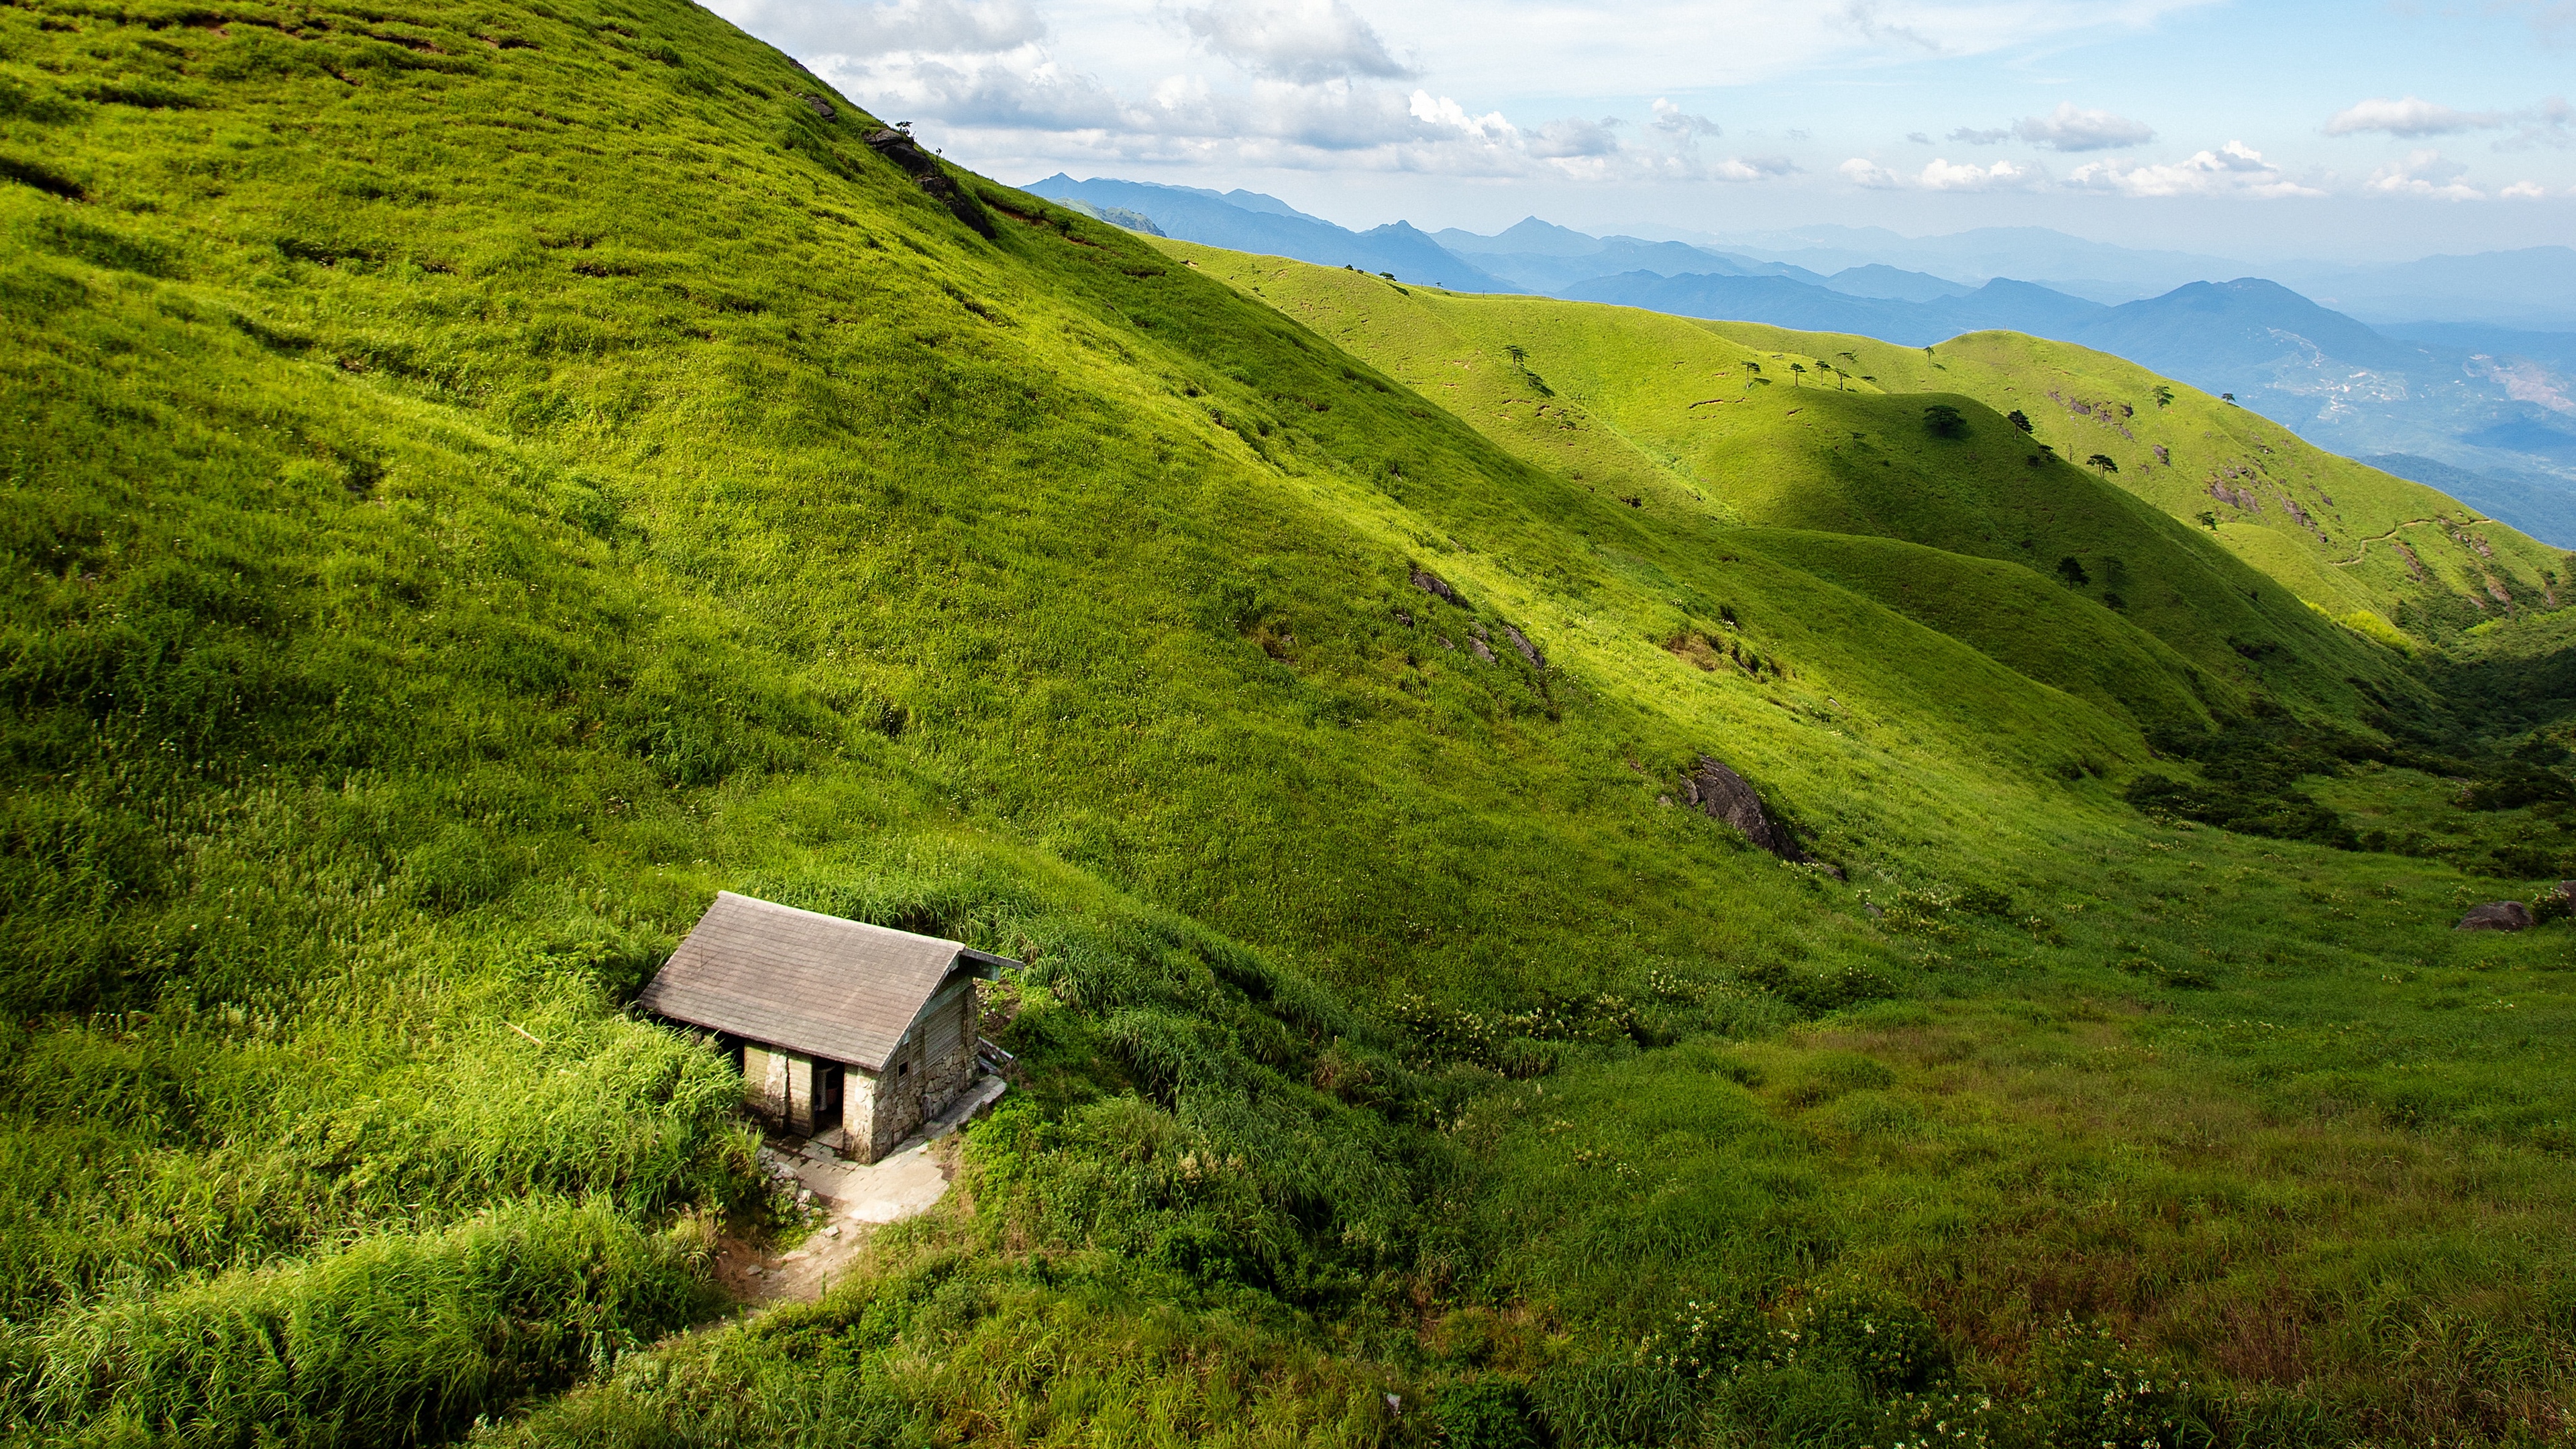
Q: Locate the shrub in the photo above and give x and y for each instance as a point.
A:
(2277, 812)
(1497, 1414)
(1944, 421)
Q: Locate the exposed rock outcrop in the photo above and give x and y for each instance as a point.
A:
(2497, 916)
(899, 148)
(1721, 794)
(1436, 586)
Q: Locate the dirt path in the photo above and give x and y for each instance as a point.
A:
(2361, 550)
(857, 1198)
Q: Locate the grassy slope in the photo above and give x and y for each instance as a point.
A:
(2344, 557)
(492, 478)
(436, 583)
(1707, 432)
(2026, 623)
(1663, 408)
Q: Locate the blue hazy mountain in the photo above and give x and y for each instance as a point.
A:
(1553, 272)
(2528, 288)
(1786, 302)
(1251, 222)
(2098, 271)
(1544, 257)
(1527, 237)
(2227, 332)
(1895, 284)
(2504, 344)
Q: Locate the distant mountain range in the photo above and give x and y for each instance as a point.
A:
(1251, 222)
(2533, 288)
(2482, 410)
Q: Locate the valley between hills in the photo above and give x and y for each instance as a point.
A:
(483, 479)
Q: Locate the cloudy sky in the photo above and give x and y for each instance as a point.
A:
(2372, 128)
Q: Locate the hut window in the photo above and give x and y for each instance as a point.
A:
(904, 1071)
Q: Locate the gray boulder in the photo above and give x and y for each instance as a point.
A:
(2497, 916)
(1721, 794)
(1436, 586)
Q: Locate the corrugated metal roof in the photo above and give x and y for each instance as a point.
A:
(842, 990)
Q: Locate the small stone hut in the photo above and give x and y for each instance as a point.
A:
(850, 1033)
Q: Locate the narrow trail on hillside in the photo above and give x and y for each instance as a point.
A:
(857, 1198)
(2362, 549)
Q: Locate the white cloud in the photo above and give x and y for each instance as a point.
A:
(2546, 124)
(1304, 41)
(1751, 168)
(1942, 175)
(2069, 128)
(1025, 104)
(2425, 173)
(1682, 126)
(1918, 138)
(1860, 171)
(2234, 169)
(2409, 118)
(1443, 114)
(2524, 191)
(1560, 140)
(1535, 51)
(1867, 18)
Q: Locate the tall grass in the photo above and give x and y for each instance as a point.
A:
(390, 1340)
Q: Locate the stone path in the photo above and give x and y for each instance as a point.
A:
(857, 1197)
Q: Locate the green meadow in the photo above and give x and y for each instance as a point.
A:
(481, 479)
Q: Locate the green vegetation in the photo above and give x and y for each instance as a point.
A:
(482, 480)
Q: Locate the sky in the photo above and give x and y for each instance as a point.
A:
(2361, 131)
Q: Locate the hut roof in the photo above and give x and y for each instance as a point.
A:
(841, 990)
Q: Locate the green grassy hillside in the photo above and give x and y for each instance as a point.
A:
(2035, 626)
(484, 479)
(2340, 533)
(1752, 424)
